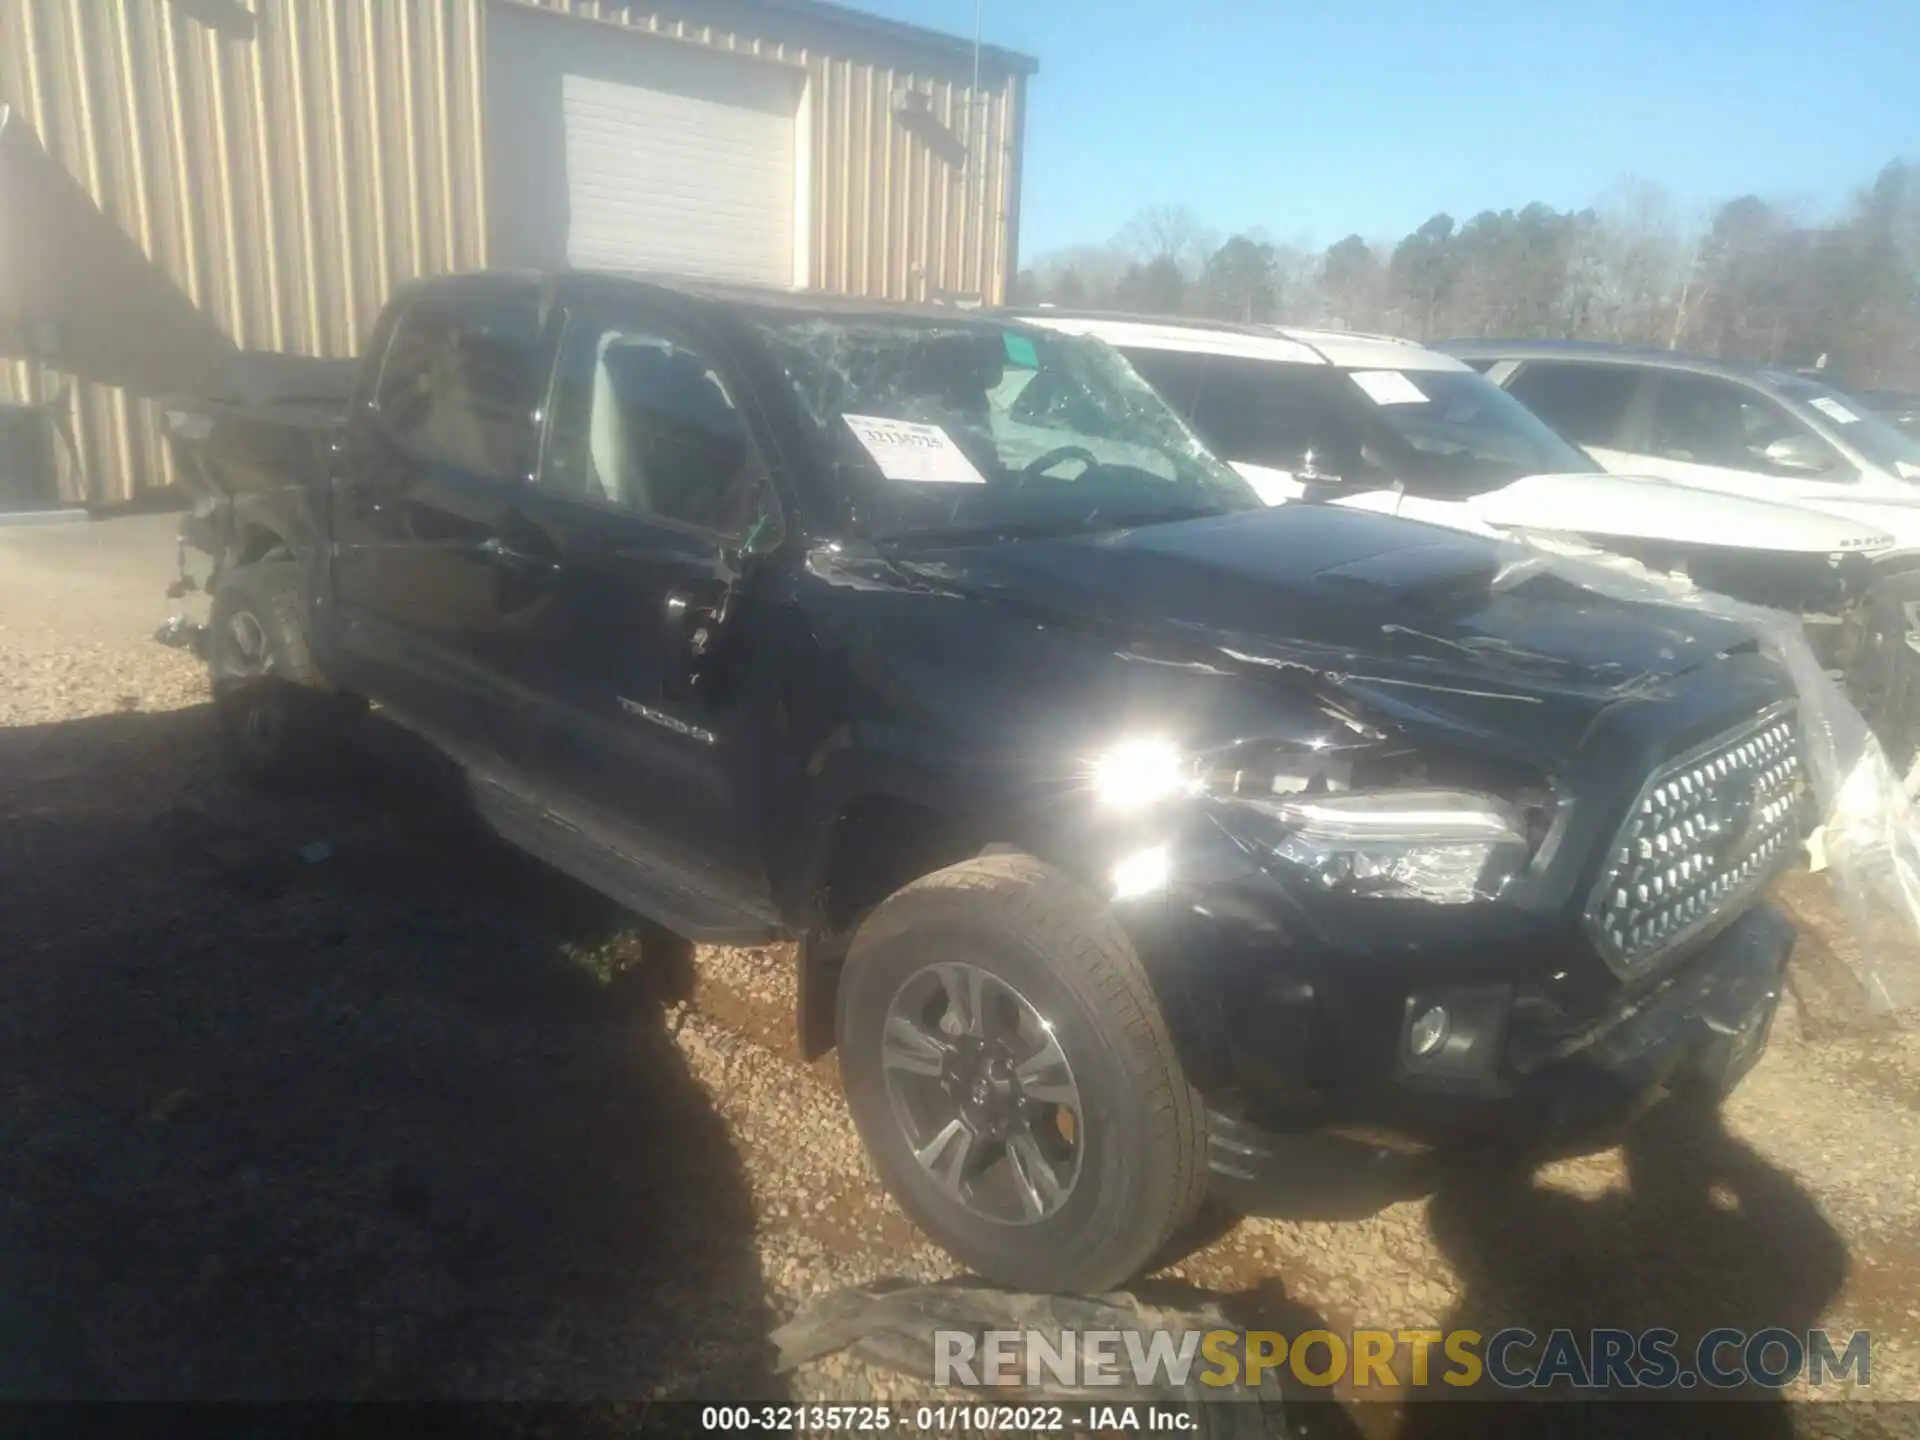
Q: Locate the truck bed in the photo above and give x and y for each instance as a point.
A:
(263, 428)
(254, 452)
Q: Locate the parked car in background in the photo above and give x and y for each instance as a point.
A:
(1772, 434)
(1761, 434)
(1128, 826)
(1899, 407)
(1377, 423)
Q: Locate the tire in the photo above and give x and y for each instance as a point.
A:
(281, 719)
(1132, 1145)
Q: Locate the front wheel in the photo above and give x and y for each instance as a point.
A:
(1011, 1073)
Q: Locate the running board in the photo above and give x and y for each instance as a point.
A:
(660, 892)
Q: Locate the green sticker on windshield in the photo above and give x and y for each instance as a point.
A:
(1020, 350)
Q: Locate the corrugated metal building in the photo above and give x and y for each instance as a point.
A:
(281, 164)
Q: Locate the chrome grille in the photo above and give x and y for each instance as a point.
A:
(1705, 832)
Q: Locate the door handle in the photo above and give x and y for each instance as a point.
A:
(501, 553)
(693, 617)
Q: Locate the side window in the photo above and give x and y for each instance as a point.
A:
(645, 424)
(1262, 412)
(460, 384)
(1585, 403)
(1707, 421)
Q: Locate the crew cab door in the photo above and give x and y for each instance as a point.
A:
(423, 497)
(652, 498)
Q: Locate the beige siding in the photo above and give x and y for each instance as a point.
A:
(887, 217)
(286, 180)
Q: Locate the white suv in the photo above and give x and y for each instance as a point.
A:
(1757, 433)
(1767, 434)
(1384, 424)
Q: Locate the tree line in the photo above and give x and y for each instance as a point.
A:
(1748, 279)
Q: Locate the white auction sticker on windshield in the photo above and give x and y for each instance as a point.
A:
(1388, 387)
(924, 454)
(1833, 409)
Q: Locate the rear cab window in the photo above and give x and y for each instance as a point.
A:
(460, 384)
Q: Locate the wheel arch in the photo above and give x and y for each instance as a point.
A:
(874, 843)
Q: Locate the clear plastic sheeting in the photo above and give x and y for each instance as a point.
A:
(905, 1328)
(1867, 837)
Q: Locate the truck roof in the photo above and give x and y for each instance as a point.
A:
(1603, 352)
(719, 292)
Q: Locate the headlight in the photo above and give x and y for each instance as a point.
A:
(1337, 814)
(1447, 847)
(1137, 773)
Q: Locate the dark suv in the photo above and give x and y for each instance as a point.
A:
(1125, 823)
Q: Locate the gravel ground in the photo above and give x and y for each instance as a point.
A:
(408, 1114)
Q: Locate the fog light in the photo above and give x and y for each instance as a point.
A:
(1430, 1031)
(1142, 873)
(1138, 773)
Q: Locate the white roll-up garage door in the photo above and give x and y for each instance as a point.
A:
(676, 159)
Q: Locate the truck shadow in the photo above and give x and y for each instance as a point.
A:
(331, 1096)
(1705, 1234)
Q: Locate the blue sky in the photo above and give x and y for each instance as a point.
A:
(1313, 120)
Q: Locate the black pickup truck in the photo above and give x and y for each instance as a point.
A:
(1132, 831)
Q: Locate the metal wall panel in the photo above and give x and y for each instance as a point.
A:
(889, 217)
(284, 173)
(287, 171)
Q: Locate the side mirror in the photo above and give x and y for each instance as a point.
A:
(1319, 467)
(1797, 455)
(1321, 474)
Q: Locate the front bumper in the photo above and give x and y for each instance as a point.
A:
(1700, 1030)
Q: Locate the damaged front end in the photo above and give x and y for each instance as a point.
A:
(1864, 830)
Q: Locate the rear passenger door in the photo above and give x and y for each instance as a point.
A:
(652, 487)
(422, 503)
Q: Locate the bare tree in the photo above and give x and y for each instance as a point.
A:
(1635, 261)
(1752, 279)
(1694, 287)
(1167, 232)
(1094, 270)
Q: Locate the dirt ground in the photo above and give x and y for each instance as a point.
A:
(333, 1096)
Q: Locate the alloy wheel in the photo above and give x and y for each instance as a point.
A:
(983, 1093)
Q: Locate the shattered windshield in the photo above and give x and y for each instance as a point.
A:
(950, 428)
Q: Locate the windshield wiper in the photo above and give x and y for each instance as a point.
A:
(1093, 522)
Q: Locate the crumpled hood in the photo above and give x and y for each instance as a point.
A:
(1390, 606)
